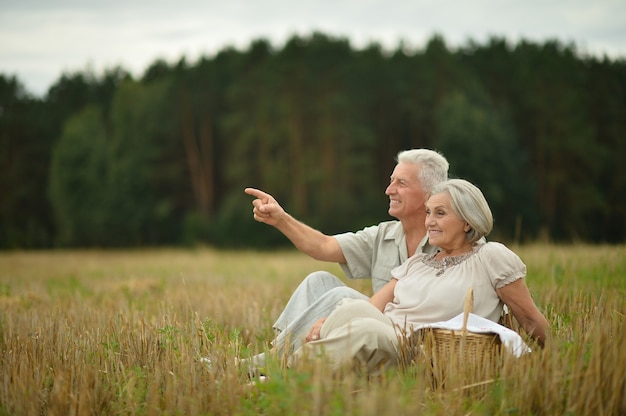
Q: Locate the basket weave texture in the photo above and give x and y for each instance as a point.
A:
(460, 358)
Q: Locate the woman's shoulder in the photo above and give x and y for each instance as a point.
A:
(498, 251)
(495, 247)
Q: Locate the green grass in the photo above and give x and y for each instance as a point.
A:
(121, 333)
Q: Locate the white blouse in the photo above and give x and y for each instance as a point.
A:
(430, 290)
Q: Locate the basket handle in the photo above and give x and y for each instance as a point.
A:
(467, 308)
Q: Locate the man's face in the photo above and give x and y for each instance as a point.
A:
(406, 196)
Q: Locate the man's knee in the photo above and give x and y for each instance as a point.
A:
(322, 278)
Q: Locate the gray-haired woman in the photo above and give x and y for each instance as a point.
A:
(430, 288)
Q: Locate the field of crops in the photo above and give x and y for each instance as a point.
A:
(122, 333)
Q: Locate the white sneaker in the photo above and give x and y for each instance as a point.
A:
(255, 382)
(253, 363)
(207, 361)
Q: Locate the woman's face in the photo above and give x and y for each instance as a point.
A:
(445, 228)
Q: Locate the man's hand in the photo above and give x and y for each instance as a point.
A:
(266, 209)
(314, 332)
(306, 239)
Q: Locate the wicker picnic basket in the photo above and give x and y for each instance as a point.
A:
(460, 358)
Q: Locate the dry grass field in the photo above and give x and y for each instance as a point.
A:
(122, 332)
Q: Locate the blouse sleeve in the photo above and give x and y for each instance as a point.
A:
(503, 265)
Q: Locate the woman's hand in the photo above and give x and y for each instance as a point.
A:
(314, 332)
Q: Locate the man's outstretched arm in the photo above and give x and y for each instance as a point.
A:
(306, 239)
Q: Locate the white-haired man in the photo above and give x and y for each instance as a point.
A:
(369, 253)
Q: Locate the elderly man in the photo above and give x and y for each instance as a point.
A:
(368, 253)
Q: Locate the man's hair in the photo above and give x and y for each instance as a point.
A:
(469, 203)
(433, 166)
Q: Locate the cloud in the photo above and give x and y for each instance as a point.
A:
(40, 39)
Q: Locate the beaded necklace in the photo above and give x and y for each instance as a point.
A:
(447, 262)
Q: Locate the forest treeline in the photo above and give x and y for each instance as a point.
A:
(106, 160)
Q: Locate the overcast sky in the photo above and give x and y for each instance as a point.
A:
(41, 39)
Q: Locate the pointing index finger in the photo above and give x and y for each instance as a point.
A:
(256, 192)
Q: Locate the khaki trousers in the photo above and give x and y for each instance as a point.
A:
(355, 333)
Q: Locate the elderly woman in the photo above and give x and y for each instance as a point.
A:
(430, 288)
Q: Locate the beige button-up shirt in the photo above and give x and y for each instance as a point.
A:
(373, 252)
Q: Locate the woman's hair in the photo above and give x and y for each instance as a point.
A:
(433, 166)
(469, 203)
